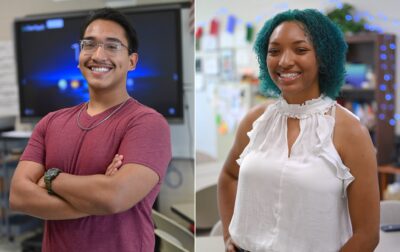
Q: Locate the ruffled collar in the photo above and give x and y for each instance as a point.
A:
(319, 105)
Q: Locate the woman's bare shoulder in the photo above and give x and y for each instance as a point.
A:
(255, 112)
(346, 121)
(349, 132)
(246, 124)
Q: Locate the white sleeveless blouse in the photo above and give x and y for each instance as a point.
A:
(295, 203)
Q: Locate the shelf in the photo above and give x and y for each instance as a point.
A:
(19, 224)
(363, 95)
(367, 48)
(364, 37)
(12, 224)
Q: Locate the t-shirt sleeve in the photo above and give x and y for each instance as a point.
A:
(147, 141)
(35, 149)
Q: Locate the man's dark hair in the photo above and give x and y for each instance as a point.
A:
(117, 17)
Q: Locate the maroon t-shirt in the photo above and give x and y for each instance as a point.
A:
(137, 132)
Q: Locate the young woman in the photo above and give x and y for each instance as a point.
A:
(302, 173)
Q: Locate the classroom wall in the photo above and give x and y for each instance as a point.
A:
(182, 134)
(381, 13)
(10, 9)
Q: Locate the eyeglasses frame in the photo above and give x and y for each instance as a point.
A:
(101, 43)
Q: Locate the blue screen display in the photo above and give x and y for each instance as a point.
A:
(47, 58)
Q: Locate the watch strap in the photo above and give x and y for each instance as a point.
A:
(49, 176)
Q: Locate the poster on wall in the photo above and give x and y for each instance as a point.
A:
(226, 40)
(228, 70)
(8, 82)
(210, 64)
(231, 102)
(209, 43)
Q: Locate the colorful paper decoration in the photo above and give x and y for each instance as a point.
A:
(199, 32)
(223, 128)
(230, 26)
(249, 32)
(218, 119)
(214, 27)
(198, 35)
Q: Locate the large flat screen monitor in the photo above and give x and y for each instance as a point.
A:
(47, 50)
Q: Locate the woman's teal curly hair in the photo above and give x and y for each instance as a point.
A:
(328, 42)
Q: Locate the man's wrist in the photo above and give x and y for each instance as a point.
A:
(49, 176)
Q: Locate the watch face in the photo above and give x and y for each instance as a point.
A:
(51, 173)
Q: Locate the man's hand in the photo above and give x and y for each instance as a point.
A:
(41, 182)
(115, 165)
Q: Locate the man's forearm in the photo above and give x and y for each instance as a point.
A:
(116, 191)
(93, 194)
(33, 200)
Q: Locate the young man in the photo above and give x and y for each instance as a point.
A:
(93, 171)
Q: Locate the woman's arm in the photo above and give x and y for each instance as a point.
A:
(227, 183)
(357, 152)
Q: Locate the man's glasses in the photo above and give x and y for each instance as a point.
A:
(111, 47)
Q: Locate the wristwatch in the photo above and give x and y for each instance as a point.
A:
(49, 176)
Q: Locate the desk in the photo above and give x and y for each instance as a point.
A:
(185, 211)
(388, 242)
(210, 243)
(384, 171)
(16, 134)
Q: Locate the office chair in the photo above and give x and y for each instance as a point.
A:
(174, 236)
(206, 208)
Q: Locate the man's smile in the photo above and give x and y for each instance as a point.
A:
(99, 68)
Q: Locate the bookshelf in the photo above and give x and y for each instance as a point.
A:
(378, 52)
